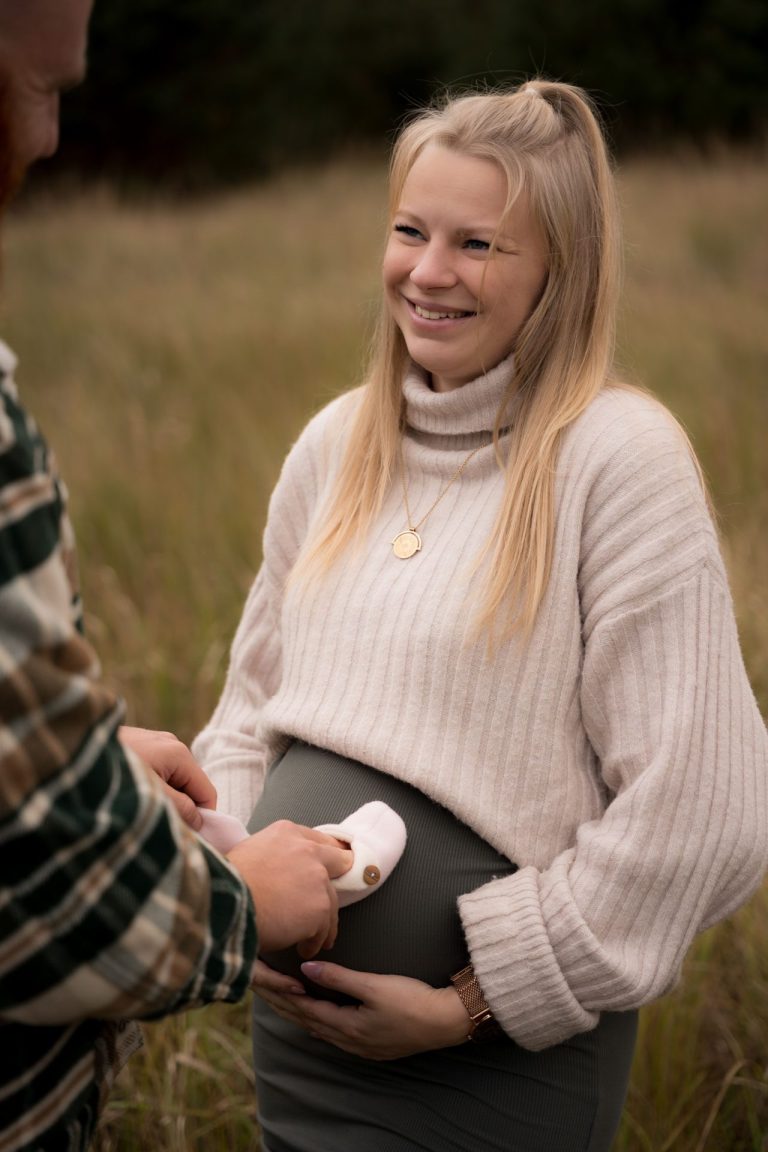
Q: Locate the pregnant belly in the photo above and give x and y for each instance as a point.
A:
(411, 926)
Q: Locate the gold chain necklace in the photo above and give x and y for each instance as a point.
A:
(408, 543)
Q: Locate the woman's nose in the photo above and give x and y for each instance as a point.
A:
(433, 269)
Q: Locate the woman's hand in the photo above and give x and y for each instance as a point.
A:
(184, 781)
(397, 1016)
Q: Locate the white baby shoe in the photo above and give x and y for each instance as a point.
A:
(376, 835)
(220, 830)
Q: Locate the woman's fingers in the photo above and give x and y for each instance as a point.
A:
(282, 1006)
(360, 985)
(266, 978)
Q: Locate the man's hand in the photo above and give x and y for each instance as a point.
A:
(288, 869)
(183, 779)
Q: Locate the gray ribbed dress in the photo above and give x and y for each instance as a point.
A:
(497, 1095)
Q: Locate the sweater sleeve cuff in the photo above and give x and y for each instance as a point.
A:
(516, 965)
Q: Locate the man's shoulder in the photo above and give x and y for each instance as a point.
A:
(8, 400)
(31, 500)
(8, 363)
(19, 436)
(24, 453)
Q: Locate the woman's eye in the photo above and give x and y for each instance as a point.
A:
(477, 245)
(409, 231)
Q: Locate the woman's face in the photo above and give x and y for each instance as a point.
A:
(458, 305)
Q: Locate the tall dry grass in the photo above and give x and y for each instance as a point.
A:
(173, 352)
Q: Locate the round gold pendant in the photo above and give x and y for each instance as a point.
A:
(406, 544)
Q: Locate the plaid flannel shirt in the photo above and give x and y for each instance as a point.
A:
(110, 908)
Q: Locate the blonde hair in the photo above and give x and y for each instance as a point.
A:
(546, 139)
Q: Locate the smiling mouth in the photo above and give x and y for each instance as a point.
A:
(442, 314)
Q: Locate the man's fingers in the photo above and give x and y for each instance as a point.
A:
(288, 868)
(185, 807)
(309, 948)
(317, 836)
(172, 761)
(186, 774)
(333, 929)
(325, 937)
(335, 854)
(322, 837)
(337, 860)
(333, 926)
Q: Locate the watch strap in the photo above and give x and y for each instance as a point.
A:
(482, 1022)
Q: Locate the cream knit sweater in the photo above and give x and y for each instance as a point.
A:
(618, 757)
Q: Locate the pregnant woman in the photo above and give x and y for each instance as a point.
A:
(492, 597)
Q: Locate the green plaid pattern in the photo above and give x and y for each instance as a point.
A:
(110, 908)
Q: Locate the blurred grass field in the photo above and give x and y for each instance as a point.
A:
(173, 352)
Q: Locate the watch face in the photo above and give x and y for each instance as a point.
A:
(484, 1027)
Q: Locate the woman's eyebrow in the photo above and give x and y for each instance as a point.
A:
(503, 239)
(468, 233)
(400, 211)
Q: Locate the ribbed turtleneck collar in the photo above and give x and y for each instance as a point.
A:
(470, 409)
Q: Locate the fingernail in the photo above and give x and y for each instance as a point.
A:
(298, 989)
(312, 969)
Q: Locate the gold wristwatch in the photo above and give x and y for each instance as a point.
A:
(482, 1023)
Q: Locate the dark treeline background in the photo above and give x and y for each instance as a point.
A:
(191, 94)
